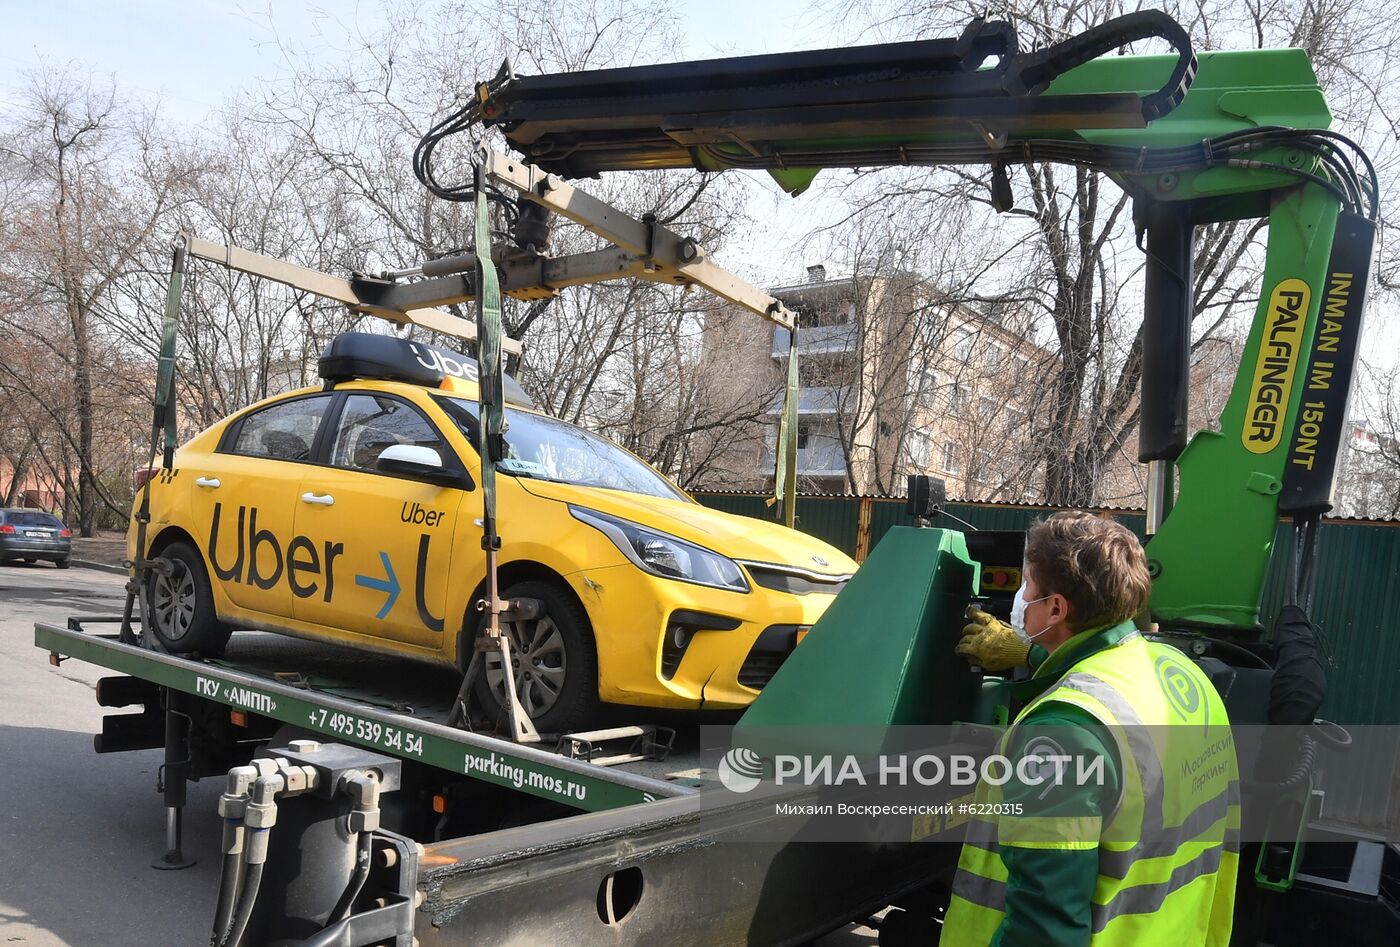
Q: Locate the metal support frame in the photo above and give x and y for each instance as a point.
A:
(1166, 350)
(793, 113)
(492, 640)
(649, 250)
(172, 779)
(358, 293)
(389, 923)
(1158, 493)
(641, 249)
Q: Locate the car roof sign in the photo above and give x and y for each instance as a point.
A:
(366, 355)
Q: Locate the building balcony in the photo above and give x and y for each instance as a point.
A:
(822, 457)
(815, 400)
(816, 340)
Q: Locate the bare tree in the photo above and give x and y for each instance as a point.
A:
(90, 182)
(352, 124)
(1067, 251)
(243, 338)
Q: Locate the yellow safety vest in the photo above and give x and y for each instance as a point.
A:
(1169, 849)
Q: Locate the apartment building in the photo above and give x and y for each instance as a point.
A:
(895, 378)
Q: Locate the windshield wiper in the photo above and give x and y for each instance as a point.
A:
(504, 467)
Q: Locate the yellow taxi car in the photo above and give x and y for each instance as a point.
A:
(350, 514)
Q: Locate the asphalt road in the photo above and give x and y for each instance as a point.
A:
(78, 831)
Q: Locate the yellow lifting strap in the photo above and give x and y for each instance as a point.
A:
(785, 472)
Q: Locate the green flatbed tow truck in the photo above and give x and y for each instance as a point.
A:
(331, 842)
(264, 680)
(492, 841)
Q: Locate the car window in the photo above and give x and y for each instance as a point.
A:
(371, 423)
(26, 518)
(543, 448)
(283, 431)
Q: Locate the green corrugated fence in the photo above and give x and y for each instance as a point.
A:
(1356, 610)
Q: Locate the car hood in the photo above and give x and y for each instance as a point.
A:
(738, 537)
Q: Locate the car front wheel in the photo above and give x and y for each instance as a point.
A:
(180, 609)
(554, 663)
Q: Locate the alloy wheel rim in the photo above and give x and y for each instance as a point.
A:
(539, 663)
(172, 600)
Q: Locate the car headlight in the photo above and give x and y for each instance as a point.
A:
(665, 555)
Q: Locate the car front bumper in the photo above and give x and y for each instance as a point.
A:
(634, 616)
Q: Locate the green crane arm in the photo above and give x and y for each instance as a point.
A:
(1226, 136)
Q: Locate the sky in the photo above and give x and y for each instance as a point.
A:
(195, 54)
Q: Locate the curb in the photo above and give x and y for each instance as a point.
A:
(99, 566)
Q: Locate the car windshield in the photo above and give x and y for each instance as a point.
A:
(543, 448)
(26, 518)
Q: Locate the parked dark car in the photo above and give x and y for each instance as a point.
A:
(32, 535)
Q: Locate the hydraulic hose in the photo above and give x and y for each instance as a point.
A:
(363, 790)
(246, 900)
(228, 886)
(357, 880)
(1334, 736)
(333, 936)
(249, 809)
(1307, 756)
(260, 816)
(233, 804)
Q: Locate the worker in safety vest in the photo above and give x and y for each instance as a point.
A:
(1144, 848)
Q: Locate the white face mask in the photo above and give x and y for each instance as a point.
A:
(1018, 615)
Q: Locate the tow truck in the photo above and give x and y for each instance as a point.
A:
(367, 815)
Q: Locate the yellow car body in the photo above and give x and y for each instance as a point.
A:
(303, 545)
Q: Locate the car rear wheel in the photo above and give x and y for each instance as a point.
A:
(62, 563)
(555, 664)
(180, 610)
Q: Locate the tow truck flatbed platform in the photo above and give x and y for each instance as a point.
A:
(708, 856)
(393, 706)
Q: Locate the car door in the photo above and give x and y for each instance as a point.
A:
(243, 500)
(389, 537)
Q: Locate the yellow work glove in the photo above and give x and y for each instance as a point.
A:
(991, 643)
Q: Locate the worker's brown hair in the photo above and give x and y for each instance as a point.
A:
(1095, 563)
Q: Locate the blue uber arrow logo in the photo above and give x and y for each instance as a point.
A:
(388, 585)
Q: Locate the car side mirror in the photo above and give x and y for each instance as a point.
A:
(416, 463)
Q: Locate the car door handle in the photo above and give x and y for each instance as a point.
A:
(211, 482)
(319, 499)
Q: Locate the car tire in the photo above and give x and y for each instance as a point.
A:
(555, 649)
(61, 563)
(180, 607)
